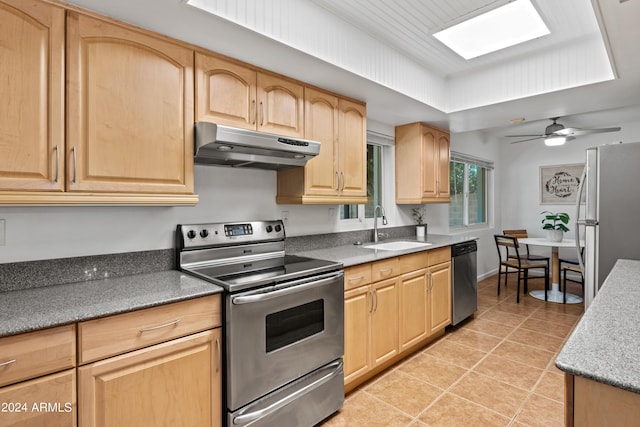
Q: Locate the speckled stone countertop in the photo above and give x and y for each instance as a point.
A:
(605, 345)
(350, 255)
(38, 308)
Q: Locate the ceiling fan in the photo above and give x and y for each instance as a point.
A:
(557, 134)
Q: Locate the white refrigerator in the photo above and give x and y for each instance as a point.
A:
(610, 190)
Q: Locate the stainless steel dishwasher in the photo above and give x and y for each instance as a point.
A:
(465, 280)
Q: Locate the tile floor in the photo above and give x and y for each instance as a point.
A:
(496, 369)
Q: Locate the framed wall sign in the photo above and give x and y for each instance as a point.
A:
(559, 184)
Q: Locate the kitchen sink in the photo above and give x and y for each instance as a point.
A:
(397, 246)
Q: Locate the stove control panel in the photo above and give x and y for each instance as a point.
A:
(221, 234)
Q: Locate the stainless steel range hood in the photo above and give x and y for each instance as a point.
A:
(227, 146)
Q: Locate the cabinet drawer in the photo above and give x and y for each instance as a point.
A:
(384, 269)
(357, 275)
(413, 262)
(117, 334)
(46, 401)
(440, 255)
(37, 353)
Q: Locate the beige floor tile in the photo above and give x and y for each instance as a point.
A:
(507, 319)
(549, 328)
(536, 339)
(493, 394)
(404, 392)
(551, 385)
(452, 410)
(568, 309)
(489, 327)
(539, 411)
(524, 354)
(432, 370)
(509, 371)
(456, 354)
(363, 409)
(554, 317)
(474, 339)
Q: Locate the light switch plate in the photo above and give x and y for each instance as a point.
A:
(2, 232)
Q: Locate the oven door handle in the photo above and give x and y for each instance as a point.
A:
(335, 368)
(294, 288)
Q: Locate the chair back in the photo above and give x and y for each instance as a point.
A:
(508, 243)
(520, 234)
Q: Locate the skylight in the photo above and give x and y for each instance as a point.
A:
(508, 25)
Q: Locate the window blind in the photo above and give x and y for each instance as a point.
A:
(466, 158)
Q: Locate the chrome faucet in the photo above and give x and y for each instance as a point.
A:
(375, 221)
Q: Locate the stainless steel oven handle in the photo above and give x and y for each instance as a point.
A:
(335, 369)
(294, 288)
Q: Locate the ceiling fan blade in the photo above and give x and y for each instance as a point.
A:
(578, 132)
(525, 136)
(529, 139)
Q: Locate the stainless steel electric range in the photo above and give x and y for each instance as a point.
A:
(284, 322)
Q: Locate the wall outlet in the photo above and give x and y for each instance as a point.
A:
(2, 232)
(285, 216)
(332, 214)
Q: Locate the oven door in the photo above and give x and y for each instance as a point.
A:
(276, 336)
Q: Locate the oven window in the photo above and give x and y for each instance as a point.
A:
(294, 324)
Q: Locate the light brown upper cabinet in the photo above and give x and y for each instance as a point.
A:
(129, 110)
(339, 173)
(32, 92)
(232, 94)
(422, 164)
(122, 96)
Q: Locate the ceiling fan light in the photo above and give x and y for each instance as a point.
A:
(555, 140)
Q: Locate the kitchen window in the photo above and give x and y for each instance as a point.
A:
(469, 178)
(374, 186)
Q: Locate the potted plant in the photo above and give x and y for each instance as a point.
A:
(555, 223)
(421, 229)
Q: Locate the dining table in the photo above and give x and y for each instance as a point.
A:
(554, 295)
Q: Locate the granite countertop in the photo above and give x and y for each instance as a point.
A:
(352, 254)
(38, 308)
(604, 345)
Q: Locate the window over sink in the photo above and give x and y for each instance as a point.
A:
(374, 186)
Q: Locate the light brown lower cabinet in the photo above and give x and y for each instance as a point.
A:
(391, 317)
(590, 403)
(175, 383)
(45, 401)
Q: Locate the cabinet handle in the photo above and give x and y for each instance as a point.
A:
(219, 355)
(430, 281)
(342, 175)
(370, 293)
(355, 279)
(75, 164)
(386, 270)
(255, 112)
(337, 181)
(261, 113)
(7, 363)
(164, 325)
(57, 164)
(375, 294)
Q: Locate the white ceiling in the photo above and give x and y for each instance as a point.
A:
(404, 28)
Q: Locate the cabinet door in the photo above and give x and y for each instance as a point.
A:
(46, 401)
(413, 308)
(130, 110)
(384, 321)
(430, 159)
(357, 309)
(321, 124)
(443, 165)
(439, 297)
(352, 140)
(225, 92)
(176, 383)
(32, 93)
(280, 106)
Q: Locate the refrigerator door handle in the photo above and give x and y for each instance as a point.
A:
(580, 222)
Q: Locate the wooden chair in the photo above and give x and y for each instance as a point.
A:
(521, 264)
(522, 234)
(572, 265)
